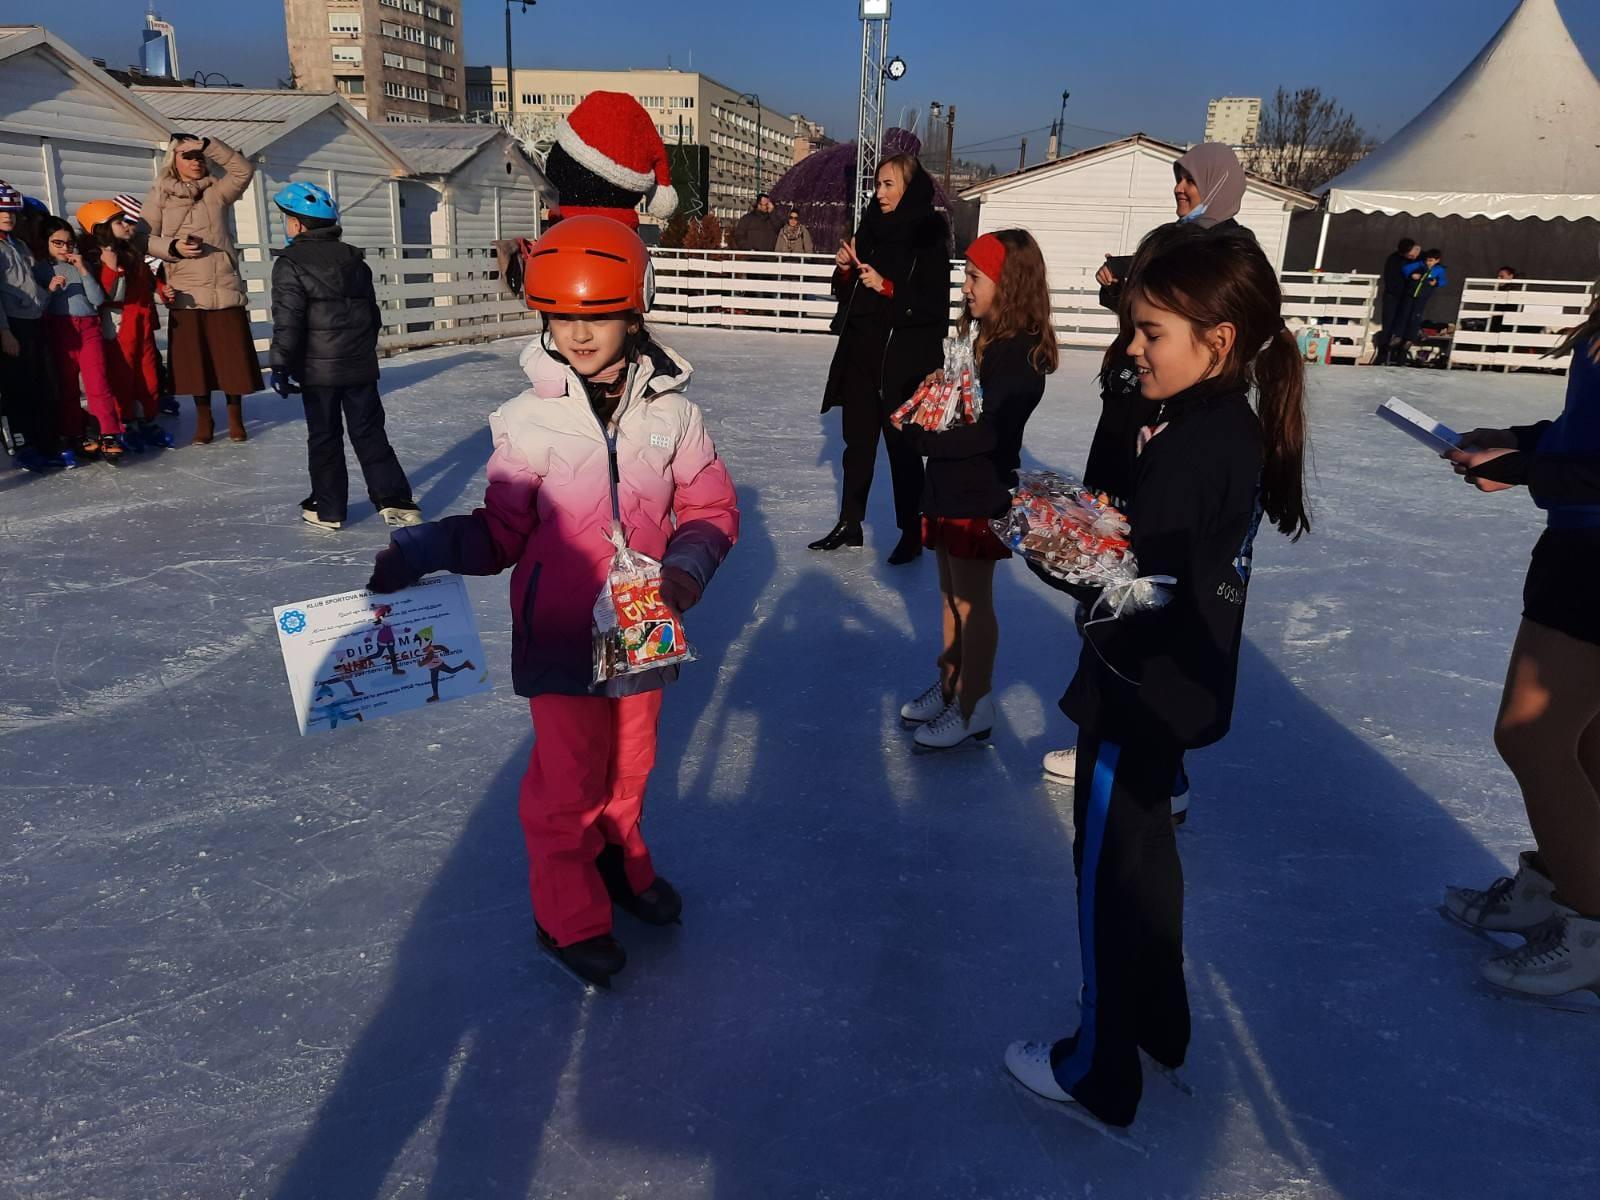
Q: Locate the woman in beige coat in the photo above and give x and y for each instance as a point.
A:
(190, 214)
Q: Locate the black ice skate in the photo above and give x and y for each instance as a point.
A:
(658, 904)
(593, 960)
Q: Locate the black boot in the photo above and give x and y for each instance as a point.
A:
(907, 549)
(594, 959)
(845, 533)
(658, 904)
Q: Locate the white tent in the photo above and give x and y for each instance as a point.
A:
(1516, 135)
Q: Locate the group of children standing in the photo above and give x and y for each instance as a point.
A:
(78, 312)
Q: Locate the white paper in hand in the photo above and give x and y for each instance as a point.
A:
(1436, 436)
(359, 655)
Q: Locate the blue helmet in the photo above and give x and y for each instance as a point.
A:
(36, 206)
(307, 200)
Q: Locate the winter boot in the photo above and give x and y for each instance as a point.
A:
(658, 904)
(205, 427)
(1561, 956)
(925, 707)
(907, 550)
(1508, 905)
(236, 430)
(845, 533)
(131, 441)
(950, 729)
(594, 959)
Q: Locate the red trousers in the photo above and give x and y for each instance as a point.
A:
(585, 788)
(131, 363)
(80, 350)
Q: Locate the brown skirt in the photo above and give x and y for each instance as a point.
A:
(211, 350)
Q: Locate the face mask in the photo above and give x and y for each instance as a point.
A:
(1194, 214)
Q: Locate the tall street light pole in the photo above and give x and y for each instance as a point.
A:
(511, 80)
(752, 98)
(949, 146)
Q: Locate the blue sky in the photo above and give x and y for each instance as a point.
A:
(1146, 65)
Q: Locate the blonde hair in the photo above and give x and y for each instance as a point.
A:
(169, 161)
(905, 166)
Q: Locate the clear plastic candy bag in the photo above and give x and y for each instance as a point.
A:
(1080, 538)
(953, 397)
(634, 630)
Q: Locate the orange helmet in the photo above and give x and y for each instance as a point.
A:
(588, 265)
(98, 212)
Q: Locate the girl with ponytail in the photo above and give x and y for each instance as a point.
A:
(1202, 315)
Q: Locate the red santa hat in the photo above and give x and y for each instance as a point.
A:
(612, 136)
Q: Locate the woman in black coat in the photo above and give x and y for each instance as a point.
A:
(893, 285)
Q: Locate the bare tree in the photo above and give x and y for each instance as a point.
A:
(1305, 140)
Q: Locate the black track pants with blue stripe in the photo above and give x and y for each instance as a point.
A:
(1130, 927)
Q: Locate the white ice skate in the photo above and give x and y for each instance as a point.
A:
(1029, 1064)
(394, 515)
(1512, 904)
(1061, 766)
(309, 516)
(950, 729)
(925, 707)
(1560, 957)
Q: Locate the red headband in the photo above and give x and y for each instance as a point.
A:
(988, 254)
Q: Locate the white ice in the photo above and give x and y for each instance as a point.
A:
(238, 963)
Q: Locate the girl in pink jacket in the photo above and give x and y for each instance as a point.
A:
(604, 435)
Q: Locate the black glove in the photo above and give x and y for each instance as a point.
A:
(282, 383)
(391, 572)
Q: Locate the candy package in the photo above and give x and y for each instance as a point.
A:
(953, 397)
(1079, 537)
(634, 630)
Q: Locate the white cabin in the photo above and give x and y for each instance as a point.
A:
(473, 186)
(1104, 200)
(69, 133)
(296, 137)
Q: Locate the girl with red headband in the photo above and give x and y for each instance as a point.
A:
(970, 474)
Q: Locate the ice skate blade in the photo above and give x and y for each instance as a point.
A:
(1567, 1002)
(978, 741)
(1080, 1114)
(590, 986)
(1170, 1074)
(1490, 937)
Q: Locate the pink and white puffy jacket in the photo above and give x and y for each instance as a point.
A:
(547, 511)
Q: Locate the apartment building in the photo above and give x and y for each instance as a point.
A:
(397, 61)
(688, 109)
(1233, 120)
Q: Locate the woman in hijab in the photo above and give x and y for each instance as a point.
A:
(1208, 188)
(893, 285)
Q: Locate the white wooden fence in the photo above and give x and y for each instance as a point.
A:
(429, 296)
(722, 289)
(432, 295)
(1514, 323)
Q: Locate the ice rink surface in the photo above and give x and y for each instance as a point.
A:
(239, 963)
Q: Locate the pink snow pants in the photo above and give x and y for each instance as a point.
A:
(79, 350)
(585, 788)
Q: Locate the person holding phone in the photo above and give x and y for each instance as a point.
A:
(893, 285)
(210, 346)
(1548, 729)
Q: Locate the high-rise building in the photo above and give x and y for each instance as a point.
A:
(688, 108)
(158, 48)
(395, 60)
(1233, 120)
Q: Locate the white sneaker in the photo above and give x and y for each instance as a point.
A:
(309, 516)
(1562, 957)
(1508, 905)
(950, 729)
(1062, 765)
(401, 516)
(1029, 1063)
(925, 707)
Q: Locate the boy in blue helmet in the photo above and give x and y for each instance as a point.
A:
(325, 324)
